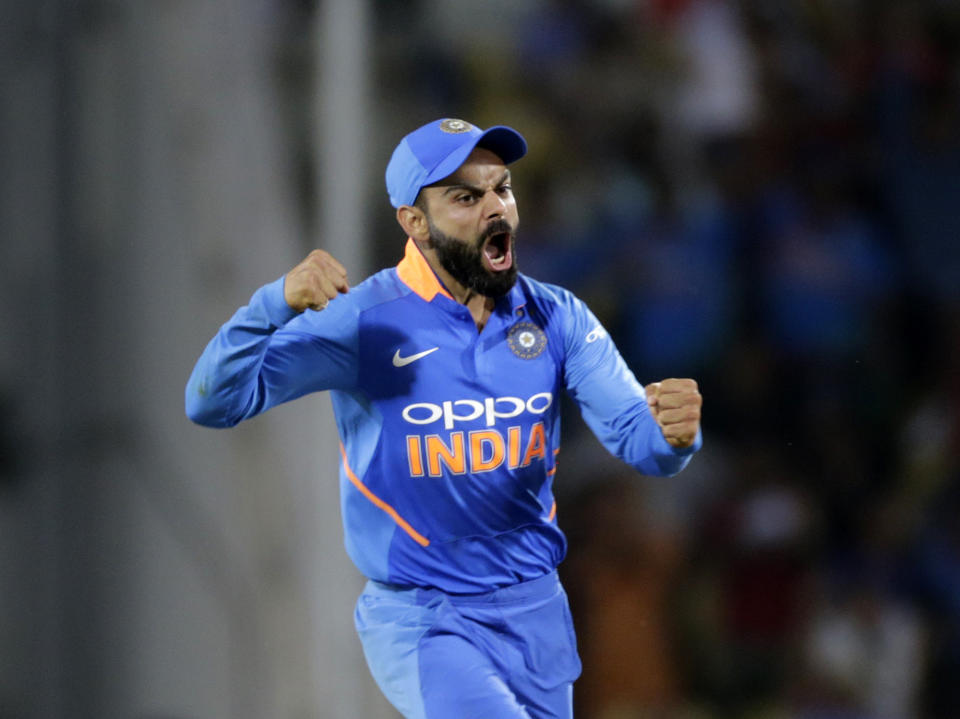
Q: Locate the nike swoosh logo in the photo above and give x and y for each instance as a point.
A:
(399, 361)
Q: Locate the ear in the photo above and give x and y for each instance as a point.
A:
(414, 222)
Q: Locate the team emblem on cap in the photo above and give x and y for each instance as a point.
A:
(455, 126)
(526, 340)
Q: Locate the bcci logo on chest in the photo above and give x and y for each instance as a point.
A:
(526, 340)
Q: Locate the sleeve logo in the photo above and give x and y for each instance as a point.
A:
(526, 340)
(595, 334)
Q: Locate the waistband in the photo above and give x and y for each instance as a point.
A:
(530, 590)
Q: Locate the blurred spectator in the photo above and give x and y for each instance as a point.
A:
(623, 572)
(745, 595)
(865, 648)
(918, 113)
(863, 657)
(824, 269)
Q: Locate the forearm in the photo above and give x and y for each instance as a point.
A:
(224, 387)
(636, 438)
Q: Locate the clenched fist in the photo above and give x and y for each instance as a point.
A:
(314, 282)
(675, 405)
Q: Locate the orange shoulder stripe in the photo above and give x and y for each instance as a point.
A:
(417, 274)
(404, 525)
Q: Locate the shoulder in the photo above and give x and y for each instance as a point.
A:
(562, 313)
(378, 290)
(550, 299)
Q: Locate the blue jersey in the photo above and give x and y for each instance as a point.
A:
(449, 436)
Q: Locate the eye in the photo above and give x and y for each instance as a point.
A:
(464, 199)
(504, 189)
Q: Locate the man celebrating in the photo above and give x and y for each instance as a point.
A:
(444, 373)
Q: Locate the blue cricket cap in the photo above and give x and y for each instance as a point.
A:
(437, 149)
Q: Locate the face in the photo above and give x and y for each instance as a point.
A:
(472, 220)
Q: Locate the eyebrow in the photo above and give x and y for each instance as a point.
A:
(505, 177)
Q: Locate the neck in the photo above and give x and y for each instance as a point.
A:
(480, 306)
(480, 309)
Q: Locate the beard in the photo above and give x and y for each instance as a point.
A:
(464, 260)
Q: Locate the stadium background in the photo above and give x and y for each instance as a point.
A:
(762, 194)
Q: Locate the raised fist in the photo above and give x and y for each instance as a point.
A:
(675, 405)
(314, 282)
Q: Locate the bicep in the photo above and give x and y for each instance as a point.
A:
(596, 376)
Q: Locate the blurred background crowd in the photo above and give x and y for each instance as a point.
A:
(760, 194)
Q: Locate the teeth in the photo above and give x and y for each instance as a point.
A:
(497, 252)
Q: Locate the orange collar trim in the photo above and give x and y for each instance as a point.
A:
(416, 273)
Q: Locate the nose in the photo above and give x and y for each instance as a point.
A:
(494, 205)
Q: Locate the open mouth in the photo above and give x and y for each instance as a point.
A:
(497, 251)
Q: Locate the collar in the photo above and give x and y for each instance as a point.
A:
(417, 274)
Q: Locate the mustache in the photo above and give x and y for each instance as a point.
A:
(494, 228)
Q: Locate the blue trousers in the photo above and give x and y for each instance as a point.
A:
(506, 654)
